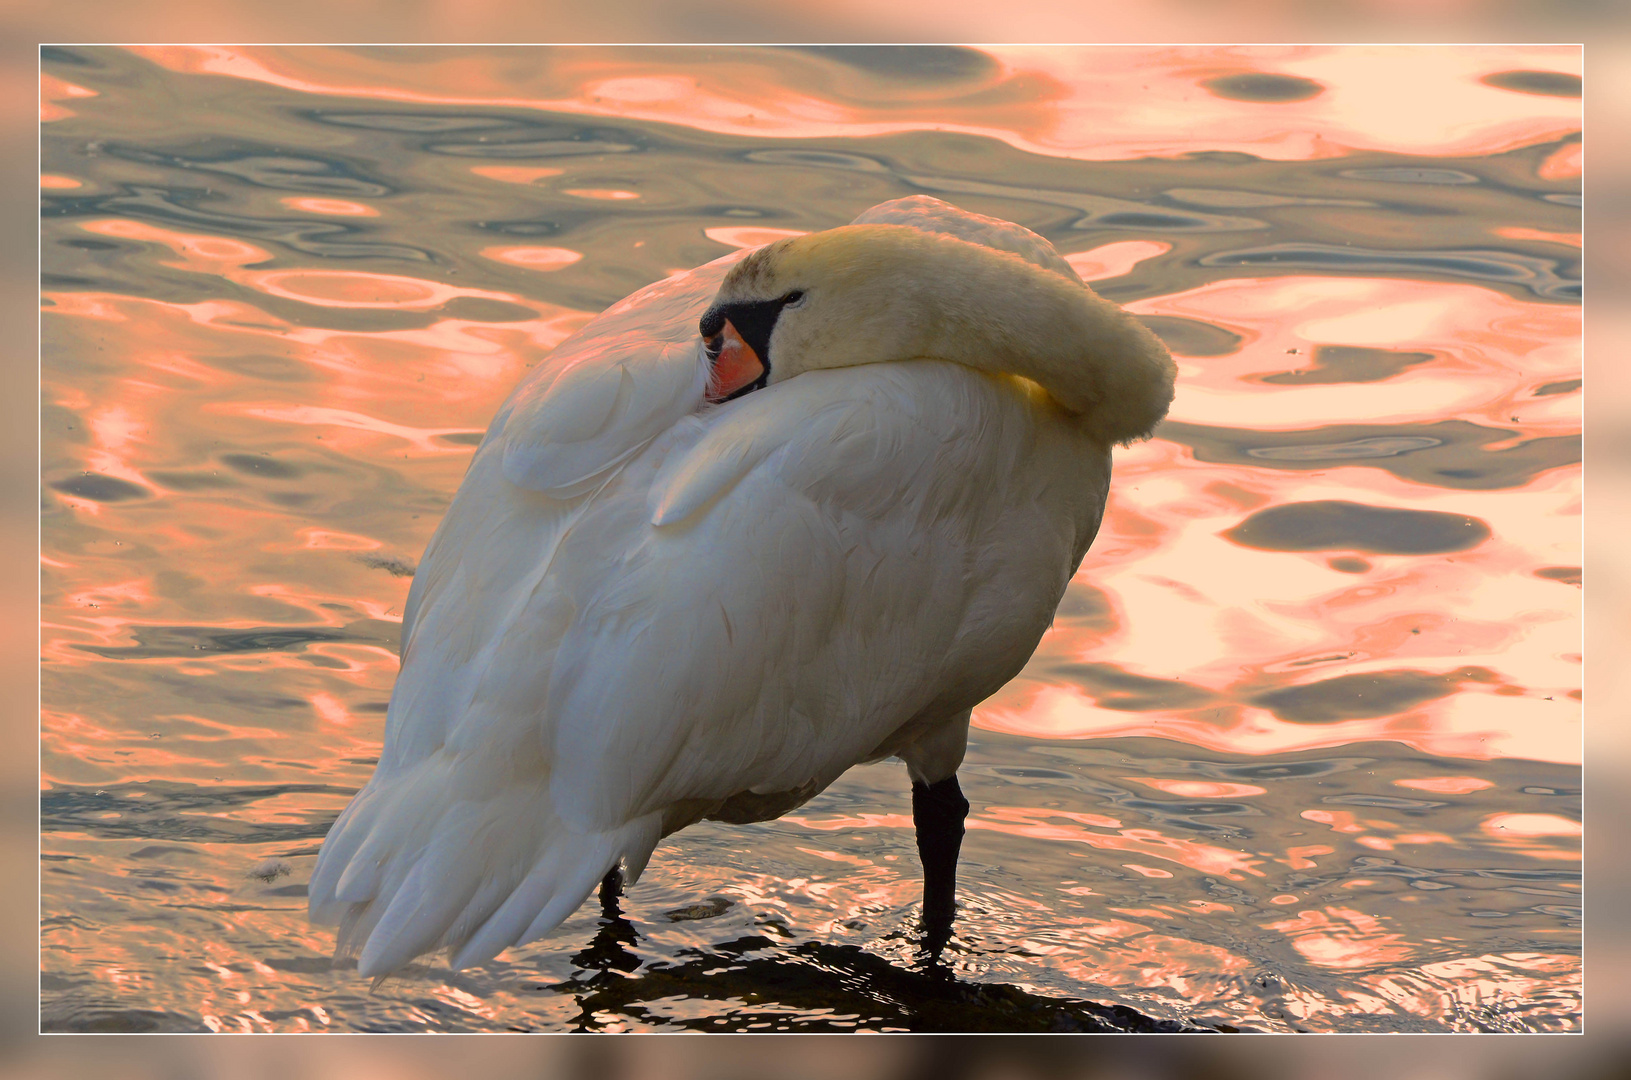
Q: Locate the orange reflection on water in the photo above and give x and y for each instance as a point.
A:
(204, 253)
(343, 207)
(1491, 349)
(426, 391)
(746, 236)
(73, 735)
(1343, 821)
(604, 194)
(1114, 260)
(1199, 789)
(323, 287)
(1114, 952)
(1421, 100)
(533, 258)
(1055, 100)
(1565, 163)
(354, 289)
(1045, 824)
(1298, 857)
(1230, 623)
(473, 362)
(1341, 937)
(1518, 232)
(54, 90)
(515, 174)
(1379, 843)
(1538, 836)
(1150, 872)
(1041, 824)
(853, 821)
(1446, 785)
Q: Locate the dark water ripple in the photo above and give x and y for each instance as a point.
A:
(261, 165)
(188, 206)
(177, 812)
(154, 642)
(1447, 453)
(1554, 279)
(815, 987)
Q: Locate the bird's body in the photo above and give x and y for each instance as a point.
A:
(643, 609)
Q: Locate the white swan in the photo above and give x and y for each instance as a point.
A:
(646, 607)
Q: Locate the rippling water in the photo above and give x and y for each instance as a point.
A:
(1301, 751)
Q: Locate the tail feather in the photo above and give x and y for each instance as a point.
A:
(336, 861)
(558, 883)
(415, 865)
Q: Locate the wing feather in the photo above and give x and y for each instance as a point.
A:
(778, 634)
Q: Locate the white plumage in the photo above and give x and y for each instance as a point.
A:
(643, 609)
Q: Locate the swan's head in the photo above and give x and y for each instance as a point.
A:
(866, 294)
(798, 305)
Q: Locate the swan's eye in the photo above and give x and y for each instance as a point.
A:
(793, 299)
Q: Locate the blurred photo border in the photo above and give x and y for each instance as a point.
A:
(1606, 36)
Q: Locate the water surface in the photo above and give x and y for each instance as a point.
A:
(1301, 751)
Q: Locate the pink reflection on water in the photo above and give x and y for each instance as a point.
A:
(1343, 821)
(1049, 824)
(1068, 101)
(364, 396)
(853, 821)
(1341, 937)
(746, 236)
(1537, 836)
(1149, 872)
(1406, 99)
(1042, 824)
(533, 258)
(603, 194)
(1490, 351)
(54, 90)
(353, 289)
(340, 207)
(1446, 785)
(201, 253)
(1298, 858)
(515, 174)
(1233, 622)
(1117, 952)
(1518, 232)
(1564, 163)
(1199, 789)
(1114, 260)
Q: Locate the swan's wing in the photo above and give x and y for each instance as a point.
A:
(454, 829)
(597, 399)
(796, 584)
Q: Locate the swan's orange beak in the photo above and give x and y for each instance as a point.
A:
(735, 364)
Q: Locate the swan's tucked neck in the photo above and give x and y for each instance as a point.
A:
(897, 293)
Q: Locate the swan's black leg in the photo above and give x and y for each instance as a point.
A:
(938, 811)
(611, 887)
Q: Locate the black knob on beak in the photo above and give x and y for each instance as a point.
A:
(713, 321)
